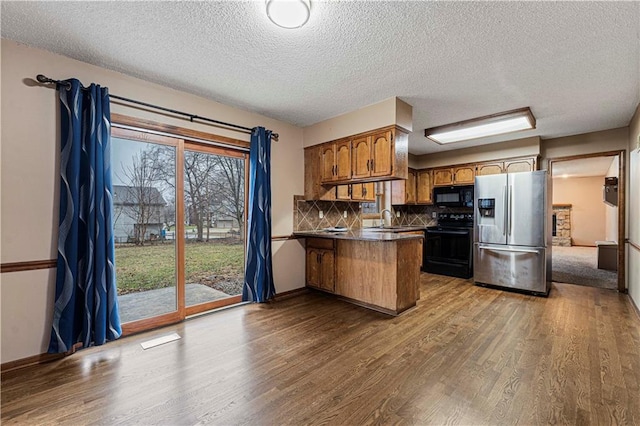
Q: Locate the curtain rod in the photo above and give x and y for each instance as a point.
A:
(46, 80)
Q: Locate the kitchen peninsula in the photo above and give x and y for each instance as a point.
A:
(378, 268)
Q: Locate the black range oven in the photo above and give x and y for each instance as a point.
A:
(448, 247)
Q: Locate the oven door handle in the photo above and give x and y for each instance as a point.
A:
(448, 232)
(509, 250)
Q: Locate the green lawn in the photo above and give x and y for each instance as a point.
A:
(141, 268)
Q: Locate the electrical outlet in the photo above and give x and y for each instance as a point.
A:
(344, 214)
(320, 214)
(434, 215)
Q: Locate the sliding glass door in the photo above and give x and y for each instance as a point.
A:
(214, 200)
(179, 225)
(144, 195)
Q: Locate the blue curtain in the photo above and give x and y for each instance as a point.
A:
(86, 304)
(258, 271)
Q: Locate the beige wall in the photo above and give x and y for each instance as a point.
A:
(587, 143)
(29, 186)
(386, 113)
(587, 209)
(633, 257)
(515, 148)
(611, 212)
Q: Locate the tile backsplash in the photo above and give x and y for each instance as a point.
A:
(422, 215)
(306, 214)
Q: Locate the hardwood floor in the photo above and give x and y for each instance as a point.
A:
(464, 355)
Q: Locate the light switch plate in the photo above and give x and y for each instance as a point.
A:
(397, 214)
(344, 214)
(434, 215)
(320, 214)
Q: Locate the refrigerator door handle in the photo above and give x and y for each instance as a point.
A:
(509, 250)
(510, 214)
(504, 225)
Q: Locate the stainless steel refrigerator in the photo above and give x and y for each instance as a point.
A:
(512, 231)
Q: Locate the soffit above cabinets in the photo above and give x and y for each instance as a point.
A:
(576, 64)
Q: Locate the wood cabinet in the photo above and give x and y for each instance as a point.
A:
(520, 165)
(416, 189)
(363, 192)
(512, 165)
(320, 264)
(361, 157)
(404, 191)
(424, 187)
(313, 165)
(457, 175)
(336, 161)
(357, 192)
(373, 156)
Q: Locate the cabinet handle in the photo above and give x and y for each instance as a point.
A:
(364, 190)
(367, 165)
(333, 170)
(349, 191)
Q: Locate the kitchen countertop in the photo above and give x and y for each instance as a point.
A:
(369, 234)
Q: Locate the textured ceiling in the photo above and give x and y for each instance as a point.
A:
(576, 64)
(584, 167)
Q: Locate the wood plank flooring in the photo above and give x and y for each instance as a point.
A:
(464, 355)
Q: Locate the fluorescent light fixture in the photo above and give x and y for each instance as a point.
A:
(289, 13)
(490, 125)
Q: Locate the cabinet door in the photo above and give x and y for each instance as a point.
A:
(343, 192)
(328, 159)
(464, 175)
(424, 187)
(313, 188)
(363, 191)
(343, 160)
(382, 154)
(443, 176)
(520, 165)
(485, 169)
(361, 157)
(327, 271)
(410, 186)
(313, 268)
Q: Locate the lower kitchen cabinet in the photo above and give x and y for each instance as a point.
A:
(320, 264)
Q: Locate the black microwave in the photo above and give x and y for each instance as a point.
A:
(453, 196)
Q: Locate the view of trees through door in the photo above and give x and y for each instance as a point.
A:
(214, 200)
(179, 212)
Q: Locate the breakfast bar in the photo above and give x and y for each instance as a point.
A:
(376, 268)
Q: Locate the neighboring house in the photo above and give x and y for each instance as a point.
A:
(132, 207)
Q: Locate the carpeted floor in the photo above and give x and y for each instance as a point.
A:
(578, 265)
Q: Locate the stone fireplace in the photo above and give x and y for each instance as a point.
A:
(562, 225)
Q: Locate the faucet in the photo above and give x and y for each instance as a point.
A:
(382, 217)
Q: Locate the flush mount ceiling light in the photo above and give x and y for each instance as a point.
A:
(288, 13)
(490, 125)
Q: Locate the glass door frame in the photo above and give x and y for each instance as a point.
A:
(214, 150)
(181, 138)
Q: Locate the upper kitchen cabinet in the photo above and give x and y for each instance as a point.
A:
(404, 191)
(373, 156)
(424, 187)
(356, 192)
(457, 175)
(512, 165)
(313, 170)
(382, 154)
(361, 157)
(416, 189)
(336, 161)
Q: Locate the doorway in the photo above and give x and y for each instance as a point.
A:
(588, 220)
(179, 221)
